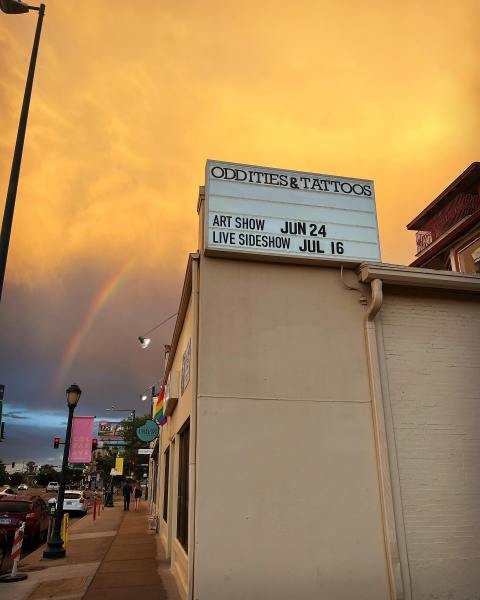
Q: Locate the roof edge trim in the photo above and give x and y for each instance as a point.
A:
(182, 312)
(421, 278)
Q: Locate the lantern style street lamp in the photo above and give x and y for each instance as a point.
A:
(16, 7)
(55, 548)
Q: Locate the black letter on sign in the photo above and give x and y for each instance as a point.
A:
(217, 176)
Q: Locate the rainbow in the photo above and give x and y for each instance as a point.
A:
(101, 297)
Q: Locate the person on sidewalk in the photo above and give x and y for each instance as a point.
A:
(137, 494)
(127, 492)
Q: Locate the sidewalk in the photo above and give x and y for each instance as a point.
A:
(114, 556)
(134, 566)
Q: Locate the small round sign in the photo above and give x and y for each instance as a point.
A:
(148, 431)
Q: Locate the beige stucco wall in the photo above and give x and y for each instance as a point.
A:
(287, 501)
(169, 434)
(431, 348)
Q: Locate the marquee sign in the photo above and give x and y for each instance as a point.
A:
(259, 210)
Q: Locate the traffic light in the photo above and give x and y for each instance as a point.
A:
(94, 444)
(56, 442)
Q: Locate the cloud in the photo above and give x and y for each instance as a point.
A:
(123, 118)
(15, 415)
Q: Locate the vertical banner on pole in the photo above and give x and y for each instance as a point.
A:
(81, 441)
(119, 465)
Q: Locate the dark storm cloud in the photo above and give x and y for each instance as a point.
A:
(110, 367)
(15, 415)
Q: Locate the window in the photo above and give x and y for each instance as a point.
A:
(165, 483)
(182, 506)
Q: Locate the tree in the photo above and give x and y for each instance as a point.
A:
(132, 444)
(16, 479)
(3, 474)
(73, 476)
(105, 462)
(47, 473)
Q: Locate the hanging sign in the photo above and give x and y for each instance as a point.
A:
(148, 431)
(264, 211)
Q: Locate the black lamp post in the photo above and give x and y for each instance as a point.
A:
(15, 7)
(55, 547)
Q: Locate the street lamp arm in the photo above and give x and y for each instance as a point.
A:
(160, 324)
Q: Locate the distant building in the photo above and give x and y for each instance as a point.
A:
(448, 229)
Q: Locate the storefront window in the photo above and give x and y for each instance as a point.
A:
(182, 507)
(165, 483)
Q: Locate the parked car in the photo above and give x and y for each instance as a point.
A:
(30, 509)
(23, 487)
(74, 501)
(6, 490)
(3, 546)
(53, 486)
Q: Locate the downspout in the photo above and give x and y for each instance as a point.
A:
(385, 486)
(192, 471)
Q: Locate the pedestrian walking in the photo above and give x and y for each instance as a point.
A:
(137, 494)
(127, 492)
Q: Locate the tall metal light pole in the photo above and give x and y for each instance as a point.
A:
(18, 7)
(55, 547)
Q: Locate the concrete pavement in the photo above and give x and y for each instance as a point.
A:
(114, 556)
(133, 565)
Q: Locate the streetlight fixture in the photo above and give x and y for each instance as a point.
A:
(55, 548)
(144, 395)
(16, 7)
(144, 340)
(13, 7)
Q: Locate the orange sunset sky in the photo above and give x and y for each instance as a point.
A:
(130, 99)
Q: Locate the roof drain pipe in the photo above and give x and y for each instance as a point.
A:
(385, 487)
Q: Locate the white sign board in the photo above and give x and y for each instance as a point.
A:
(259, 210)
(145, 451)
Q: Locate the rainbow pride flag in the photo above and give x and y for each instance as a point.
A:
(157, 408)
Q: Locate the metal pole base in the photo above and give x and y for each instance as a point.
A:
(12, 578)
(54, 550)
(109, 499)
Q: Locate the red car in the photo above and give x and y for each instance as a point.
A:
(31, 509)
